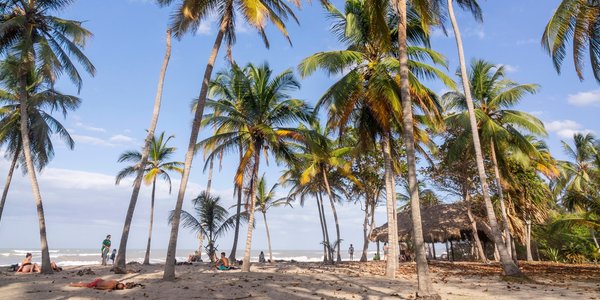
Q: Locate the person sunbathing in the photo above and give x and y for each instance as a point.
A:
(223, 263)
(27, 266)
(100, 284)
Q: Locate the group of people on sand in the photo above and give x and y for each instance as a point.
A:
(105, 249)
(27, 266)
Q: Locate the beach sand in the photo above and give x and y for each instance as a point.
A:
(296, 280)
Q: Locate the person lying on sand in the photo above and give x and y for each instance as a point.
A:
(100, 284)
(223, 263)
(27, 266)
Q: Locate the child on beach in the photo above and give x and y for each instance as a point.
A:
(112, 256)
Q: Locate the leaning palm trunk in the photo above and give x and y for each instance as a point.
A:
(508, 265)
(13, 165)
(268, 238)
(528, 240)
(210, 175)
(363, 257)
(252, 202)
(325, 252)
(327, 241)
(390, 195)
(239, 186)
(46, 268)
(147, 256)
(501, 196)
(424, 289)
(480, 251)
(335, 217)
(169, 273)
(137, 183)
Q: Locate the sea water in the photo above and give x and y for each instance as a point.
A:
(81, 257)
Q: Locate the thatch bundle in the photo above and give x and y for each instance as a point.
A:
(441, 223)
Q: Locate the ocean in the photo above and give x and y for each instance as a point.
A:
(80, 257)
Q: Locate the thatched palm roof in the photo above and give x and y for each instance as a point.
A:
(441, 223)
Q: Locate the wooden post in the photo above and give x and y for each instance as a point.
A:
(433, 246)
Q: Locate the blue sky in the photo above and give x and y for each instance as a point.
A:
(81, 201)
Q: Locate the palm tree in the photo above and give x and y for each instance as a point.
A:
(188, 17)
(501, 126)
(369, 93)
(508, 265)
(143, 160)
(208, 217)
(44, 101)
(155, 167)
(47, 43)
(322, 156)
(259, 124)
(575, 20)
(264, 201)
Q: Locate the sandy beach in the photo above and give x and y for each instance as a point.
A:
(297, 280)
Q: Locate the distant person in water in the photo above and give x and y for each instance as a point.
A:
(351, 252)
(105, 249)
(223, 263)
(261, 257)
(100, 284)
(113, 255)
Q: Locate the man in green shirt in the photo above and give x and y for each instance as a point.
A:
(105, 249)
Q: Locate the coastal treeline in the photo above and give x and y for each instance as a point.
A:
(378, 135)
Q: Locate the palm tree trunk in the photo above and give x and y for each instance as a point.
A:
(390, 195)
(137, 183)
(327, 241)
(508, 265)
(325, 253)
(593, 234)
(9, 179)
(528, 240)
(480, 251)
(147, 256)
(24, 126)
(501, 196)
(363, 257)
(232, 255)
(210, 175)
(252, 202)
(268, 238)
(424, 289)
(335, 218)
(169, 273)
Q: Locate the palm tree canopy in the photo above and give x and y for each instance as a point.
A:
(157, 165)
(575, 21)
(44, 101)
(49, 40)
(265, 198)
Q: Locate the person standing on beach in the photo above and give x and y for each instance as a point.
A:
(351, 252)
(105, 249)
(113, 255)
(385, 250)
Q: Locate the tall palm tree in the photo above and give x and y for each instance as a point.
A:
(322, 156)
(44, 101)
(208, 217)
(259, 123)
(120, 262)
(369, 92)
(500, 126)
(436, 11)
(47, 43)
(575, 20)
(264, 201)
(188, 17)
(156, 166)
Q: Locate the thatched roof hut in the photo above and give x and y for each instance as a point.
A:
(441, 223)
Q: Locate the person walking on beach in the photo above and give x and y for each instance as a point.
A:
(351, 252)
(105, 249)
(113, 255)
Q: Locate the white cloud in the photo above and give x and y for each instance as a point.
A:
(87, 127)
(566, 128)
(591, 98)
(86, 139)
(537, 113)
(511, 68)
(527, 41)
(120, 138)
(477, 32)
